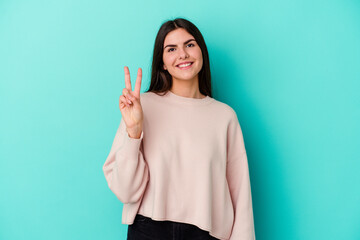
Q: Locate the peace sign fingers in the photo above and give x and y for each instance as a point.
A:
(136, 91)
(130, 105)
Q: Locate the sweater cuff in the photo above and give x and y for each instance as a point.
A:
(132, 145)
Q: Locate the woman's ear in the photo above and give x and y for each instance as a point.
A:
(164, 67)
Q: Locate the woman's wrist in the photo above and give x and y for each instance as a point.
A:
(134, 132)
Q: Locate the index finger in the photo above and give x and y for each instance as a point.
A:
(138, 83)
(127, 78)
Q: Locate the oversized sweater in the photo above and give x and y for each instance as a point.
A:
(189, 165)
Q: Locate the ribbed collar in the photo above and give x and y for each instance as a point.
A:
(186, 100)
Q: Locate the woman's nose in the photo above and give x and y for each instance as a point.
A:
(183, 53)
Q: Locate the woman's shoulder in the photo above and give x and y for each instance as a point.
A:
(224, 108)
(149, 100)
(148, 95)
(145, 94)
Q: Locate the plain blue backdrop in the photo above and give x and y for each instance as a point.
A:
(290, 69)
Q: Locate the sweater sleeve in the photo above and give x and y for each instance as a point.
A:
(125, 169)
(237, 174)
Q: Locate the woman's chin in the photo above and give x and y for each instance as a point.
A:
(185, 76)
(191, 78)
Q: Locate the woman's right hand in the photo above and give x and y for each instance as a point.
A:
(130, 105)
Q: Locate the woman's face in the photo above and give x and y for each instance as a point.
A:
(180, 49)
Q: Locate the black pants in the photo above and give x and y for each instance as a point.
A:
(144, 228)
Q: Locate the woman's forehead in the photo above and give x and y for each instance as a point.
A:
(177, 36)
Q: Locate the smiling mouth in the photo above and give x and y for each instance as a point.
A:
(185, 66)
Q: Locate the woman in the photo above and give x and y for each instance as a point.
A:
(178, 160)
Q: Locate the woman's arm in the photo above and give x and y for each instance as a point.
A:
(125, 169)
(237, 173)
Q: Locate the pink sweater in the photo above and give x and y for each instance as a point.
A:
(189, 165)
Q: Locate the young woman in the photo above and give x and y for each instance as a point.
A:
(178, 160)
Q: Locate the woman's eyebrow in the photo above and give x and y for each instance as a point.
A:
(172, 45)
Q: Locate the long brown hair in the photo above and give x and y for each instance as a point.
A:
(161, 80)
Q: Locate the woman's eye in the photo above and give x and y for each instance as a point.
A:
(191, 44)
(170, 49)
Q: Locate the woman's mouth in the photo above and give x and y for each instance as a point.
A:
(185, 66)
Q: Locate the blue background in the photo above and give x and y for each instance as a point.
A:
(290, 69)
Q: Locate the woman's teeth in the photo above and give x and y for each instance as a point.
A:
(185, 65)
